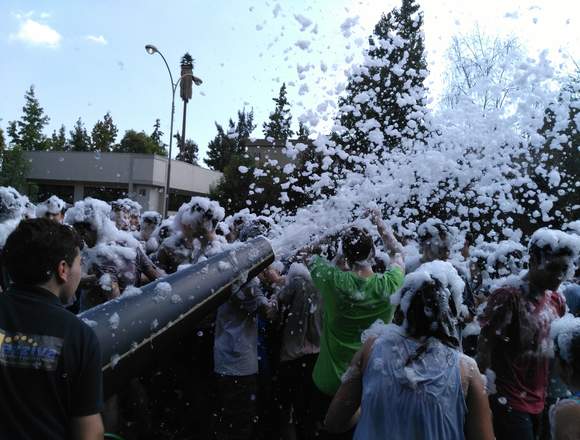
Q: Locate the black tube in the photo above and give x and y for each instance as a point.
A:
(134, 327)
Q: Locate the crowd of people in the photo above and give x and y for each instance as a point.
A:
(361, 334)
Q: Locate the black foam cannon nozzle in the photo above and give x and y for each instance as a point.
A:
(140, 325)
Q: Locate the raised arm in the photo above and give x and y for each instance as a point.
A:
(392, 245)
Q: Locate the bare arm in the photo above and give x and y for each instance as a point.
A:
(394, 248)
(478, 425)
(566, 426)
(344, 409)
(87, 427)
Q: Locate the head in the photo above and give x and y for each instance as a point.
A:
(150, 220)
(199, 217)
(478, 262)
(28, 208)
(86, 232)
(90, 217)
(254, 229)
(572, 294)
(434, 240)
(357, 246)
(10, 206)
(507, 259)
(237, 222)
(120, 215)
(552, 258)
(430, 302)
(44, 253)
(565, 333)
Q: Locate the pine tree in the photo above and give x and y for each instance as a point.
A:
(58, 140)
(2, 142)
(278, 126)
(303, 132)
(104, 134)
(79, 138)
(27, 133)
(14, 169)
(385, 103)
(227, 144)
(555, 166)
(188, 151)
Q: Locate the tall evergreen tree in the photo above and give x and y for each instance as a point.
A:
(303, 132)
(104, 134)
(385, 103)
(27, 133)
(2, 141)
(58, 141)
(188, 150)
(225, 145)
(280, 120)
(79, 138)
(14, 168)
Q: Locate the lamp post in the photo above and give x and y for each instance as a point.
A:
(151, 50)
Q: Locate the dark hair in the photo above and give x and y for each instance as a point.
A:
(420, 325)
(35, 248)
(357, 244)
(574, 362)
(538, 252)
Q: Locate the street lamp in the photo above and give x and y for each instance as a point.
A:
(151, 50)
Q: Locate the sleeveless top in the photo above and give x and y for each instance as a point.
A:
(423, 400)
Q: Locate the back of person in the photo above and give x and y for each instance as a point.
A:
(419, 401)
(351, 305)
(43, 351)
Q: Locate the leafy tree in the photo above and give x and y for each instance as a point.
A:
(482, 70)
(58, 141)
(385, 104)
(245, 187)
(79, 138)
(27, 133)
(104, 134)
(278, 126)
(232, 190)
(138, 142)
(230, 143)
(188, 151)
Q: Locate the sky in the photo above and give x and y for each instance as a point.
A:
(88, 58)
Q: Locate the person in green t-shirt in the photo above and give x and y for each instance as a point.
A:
(353, 299)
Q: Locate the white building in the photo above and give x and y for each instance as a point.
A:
(109, 176)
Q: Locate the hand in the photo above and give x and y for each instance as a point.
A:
(272, 310)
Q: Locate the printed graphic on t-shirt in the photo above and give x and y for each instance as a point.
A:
(29, 351)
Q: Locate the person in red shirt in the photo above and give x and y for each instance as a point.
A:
(515, 344)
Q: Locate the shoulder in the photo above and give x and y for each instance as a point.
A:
(558, 302)
(504, 295)
(564, 417)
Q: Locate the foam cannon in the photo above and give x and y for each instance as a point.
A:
(136, 327)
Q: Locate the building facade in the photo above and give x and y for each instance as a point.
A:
(109, 176)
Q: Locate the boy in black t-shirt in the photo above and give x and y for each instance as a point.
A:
(50, 366)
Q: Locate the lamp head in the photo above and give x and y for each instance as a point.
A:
(151, 49)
